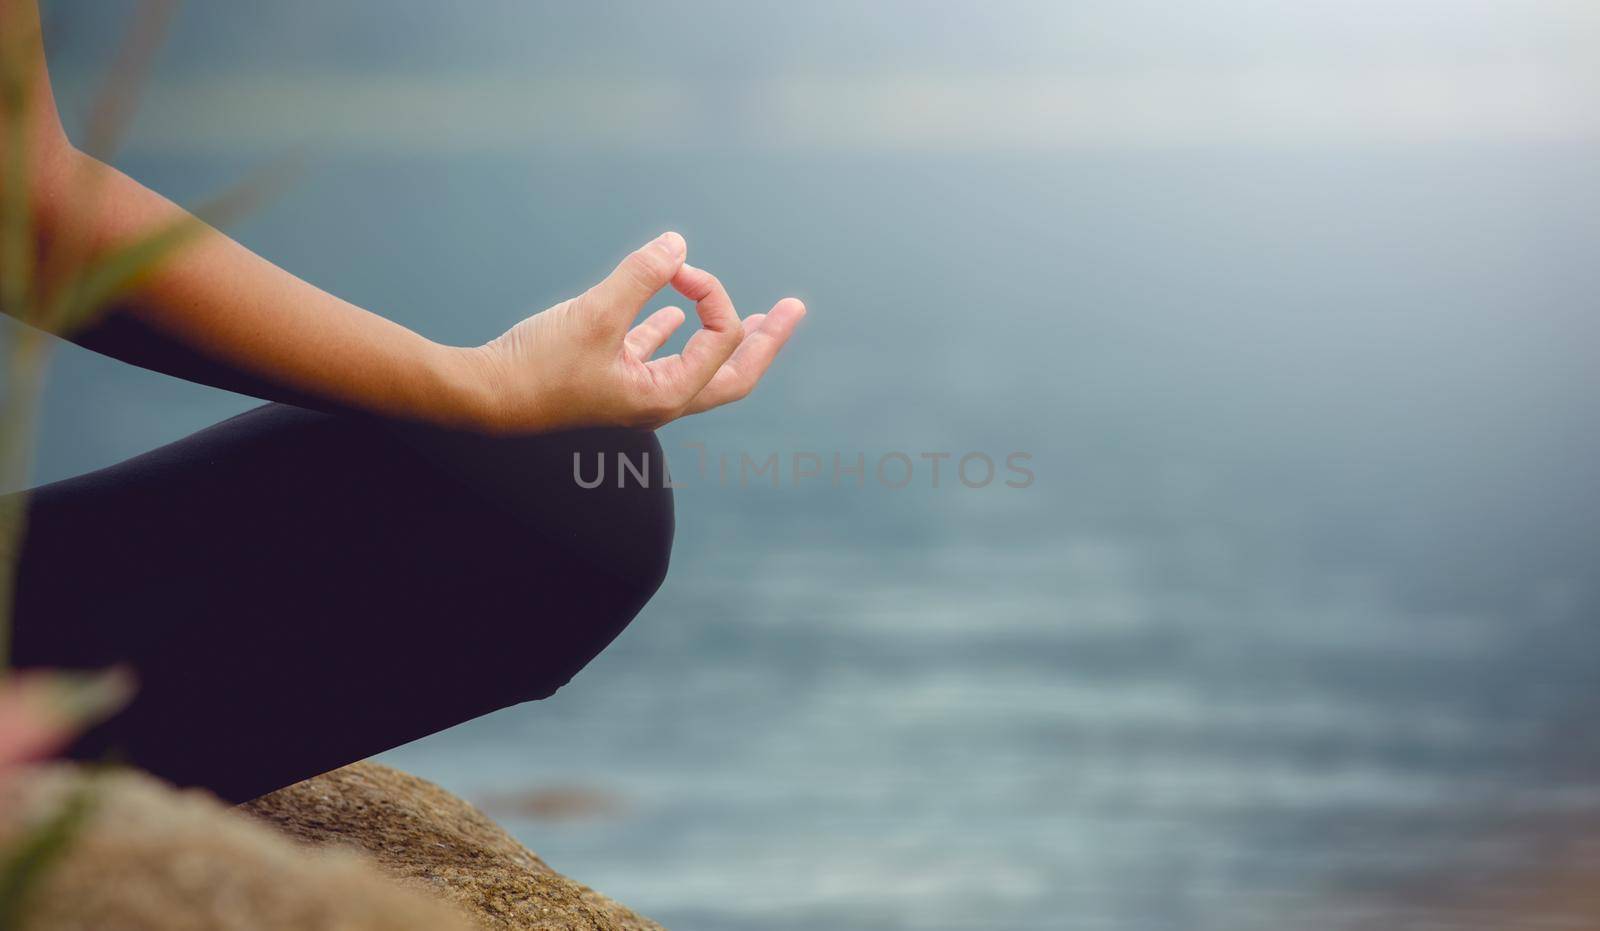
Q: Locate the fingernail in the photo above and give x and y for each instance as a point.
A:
(671, 243)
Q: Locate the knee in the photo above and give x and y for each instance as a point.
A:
(604, 491)
(599, 494)
(635, 505)
(620, 532)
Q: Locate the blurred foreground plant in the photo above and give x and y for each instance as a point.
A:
(58, 290)
(39, 713)
(62, 290)
(65, 288)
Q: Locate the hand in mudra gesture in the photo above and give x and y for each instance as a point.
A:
(580, 364)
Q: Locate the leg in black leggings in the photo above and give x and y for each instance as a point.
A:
(297, 590)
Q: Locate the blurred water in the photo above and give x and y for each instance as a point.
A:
(1298, 617)
(1299, 602)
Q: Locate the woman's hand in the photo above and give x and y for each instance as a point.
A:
(579, 364)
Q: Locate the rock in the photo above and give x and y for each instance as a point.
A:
(434, 841)
(554, 803)
(149, 858)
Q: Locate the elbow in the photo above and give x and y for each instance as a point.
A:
(53, 163)
(49, 162)
(49, 166)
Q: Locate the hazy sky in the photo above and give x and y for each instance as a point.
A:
(506, 75)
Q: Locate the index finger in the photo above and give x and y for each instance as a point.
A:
(719, 335)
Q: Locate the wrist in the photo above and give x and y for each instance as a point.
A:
(465, 394)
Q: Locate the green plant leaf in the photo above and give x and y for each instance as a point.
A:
(39, 849)
(114, 273)
(111, 275)
(16, 214)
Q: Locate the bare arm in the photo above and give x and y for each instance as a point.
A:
(217, 313)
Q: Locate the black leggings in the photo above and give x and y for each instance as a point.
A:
(297, 590)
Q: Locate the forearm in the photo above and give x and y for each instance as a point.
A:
(217, 313)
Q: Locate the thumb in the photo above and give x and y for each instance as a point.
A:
(620, 297)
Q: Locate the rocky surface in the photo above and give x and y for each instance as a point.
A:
(435, 842)
(149, 858)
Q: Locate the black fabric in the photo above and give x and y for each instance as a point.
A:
(296, 590)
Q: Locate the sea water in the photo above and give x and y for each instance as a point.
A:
(1295, 626)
